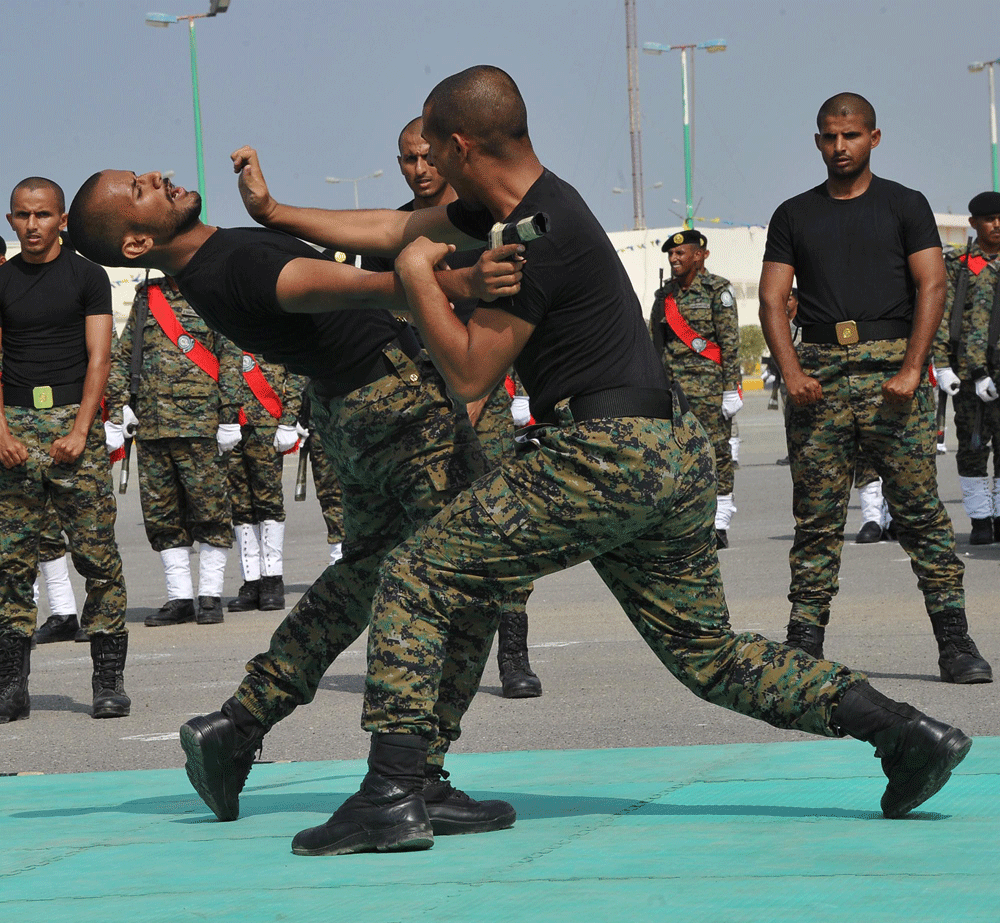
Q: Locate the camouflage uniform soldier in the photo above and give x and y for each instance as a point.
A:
(695, 328)
(617, 472)
(183, 417)
(269, 431)
(55, 315)
(328, 494)
(871, 281)
(967, 365)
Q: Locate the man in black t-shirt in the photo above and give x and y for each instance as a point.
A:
(867, 257)
(400, 450)
(617, 472)
(55, 315)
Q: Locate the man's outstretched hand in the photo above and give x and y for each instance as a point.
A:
(253, 188)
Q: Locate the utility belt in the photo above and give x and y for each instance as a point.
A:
(849, 332)
(382, 366)
(622, 402)
(44, 396)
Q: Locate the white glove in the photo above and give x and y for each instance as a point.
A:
(114, 437)
(285, 438)
(731, 404)
(228, 436)
(302, 432)
(986, 391)
(947, 381)
(520, 410)
(130, 422)
(767, 379)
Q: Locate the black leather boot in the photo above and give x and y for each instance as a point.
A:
(452, 811)
(209, 610)
(15, 664)
(982, 532)
(387, 814)
(516, 676)
(108, 652)
(220, 750)
(248, 597)
(918, 753)
(869, 533)
(172, 612)
(272, 593)
(806, 637)
(959, 659)
(58, 628)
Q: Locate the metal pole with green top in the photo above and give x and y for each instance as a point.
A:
(199, 153)
(974, 68)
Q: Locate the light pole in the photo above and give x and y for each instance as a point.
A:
(657, 48)
(355, 180)
(975, 67)
(162, 20)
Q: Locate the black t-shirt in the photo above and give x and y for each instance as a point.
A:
(43, 312)
(589, 331)
(850, 255)
(232, 283)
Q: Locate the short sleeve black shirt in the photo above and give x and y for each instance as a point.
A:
(589, 331)
(850, 255)
(232, 283)
(43, 314)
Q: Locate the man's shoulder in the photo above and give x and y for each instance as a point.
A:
(716, 283)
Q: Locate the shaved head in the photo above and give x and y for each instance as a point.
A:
(34, 183)
(97, 231)
(413, 127)
(481, 103)
(847, 104)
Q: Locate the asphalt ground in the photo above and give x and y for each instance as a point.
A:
(602, 686)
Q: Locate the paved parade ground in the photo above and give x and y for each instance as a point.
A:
(635, 800)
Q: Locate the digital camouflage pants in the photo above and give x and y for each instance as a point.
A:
(401, 452)
(977, 425)
(255, 479)
(719, 429)
(182, 487)
(636, 497)
(900, 442)
(82, 500)
(328, 491)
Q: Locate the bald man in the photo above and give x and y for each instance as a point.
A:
(618, 472)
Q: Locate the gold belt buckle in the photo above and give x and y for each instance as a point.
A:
(847, 333)
(42, 397)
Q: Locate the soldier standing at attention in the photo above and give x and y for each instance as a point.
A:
(867, 257)
(966, 361)
(55, 316)
(695, 329)
(268, 426)
(185, 414)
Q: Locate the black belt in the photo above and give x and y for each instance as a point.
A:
(382, 366)
(43, 397)
(846, 333)
(622, 402)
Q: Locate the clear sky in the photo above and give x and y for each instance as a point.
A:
(322, 87)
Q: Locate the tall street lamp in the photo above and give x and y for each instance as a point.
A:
(162, 20)
(355, 180)
(975, 67)
(657, 48)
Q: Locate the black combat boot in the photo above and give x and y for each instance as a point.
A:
(209, 610)
(721, 538)
(108, 653)
(272, 593)
(917, 752)
(516, 676)
(57, 628)
(220, 750)
(452, 811)
(807, 637)
(959, 659)
(15, 664)
(982, 532)
(387, 814)
(869, 533)
(248, 597)
(172, 612)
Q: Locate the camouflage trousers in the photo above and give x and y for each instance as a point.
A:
(825, 441)
(708, 410)
(972, 414)
(52, 541)
(327, 491)
(401, 452)
(182, 487)
(636, 497)
(255, 479)
(81, 497)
